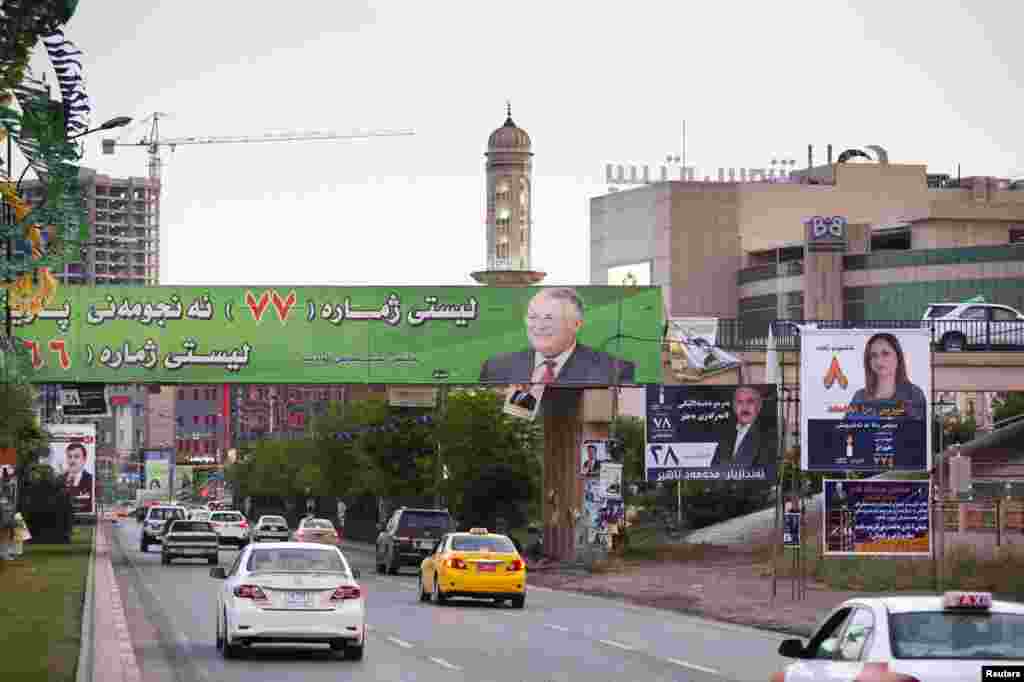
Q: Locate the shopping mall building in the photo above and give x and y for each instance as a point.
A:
(744, 249)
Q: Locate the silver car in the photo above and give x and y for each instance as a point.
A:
(271, 529)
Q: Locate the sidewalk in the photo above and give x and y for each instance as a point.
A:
(113, 658)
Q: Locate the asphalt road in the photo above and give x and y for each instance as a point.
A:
(558, 636)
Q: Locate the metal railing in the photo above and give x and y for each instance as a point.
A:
(952, 335)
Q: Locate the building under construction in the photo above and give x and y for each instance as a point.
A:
(124, 230)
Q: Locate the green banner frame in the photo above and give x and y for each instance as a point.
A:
(319, 335)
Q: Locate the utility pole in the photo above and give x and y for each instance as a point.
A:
(442, 405)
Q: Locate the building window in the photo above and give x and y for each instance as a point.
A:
(195, 394)
(195, 419)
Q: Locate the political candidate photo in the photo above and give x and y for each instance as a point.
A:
(742, 442)
(712, 433)
(878, 423)
(554, 317)
(887, 386)
(77, 480)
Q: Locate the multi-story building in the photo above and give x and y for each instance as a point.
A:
(283, 410)
(124, 230)
(738, 249)
(202, 413)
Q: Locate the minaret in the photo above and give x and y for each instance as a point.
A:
(509, 171)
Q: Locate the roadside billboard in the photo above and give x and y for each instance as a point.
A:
(158, 470)
(712, 433)
(865, 399)
(394, 335)
(877, 517)
(73, 456)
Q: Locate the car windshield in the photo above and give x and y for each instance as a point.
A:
(191, 527)
(226, 517)
(321, 524)
(476, 543)
(165, 513)
(274, 520)
(296, 560)
(946, 634)
(434, 521)
(937, 311)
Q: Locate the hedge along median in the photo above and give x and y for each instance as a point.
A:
(41, 597)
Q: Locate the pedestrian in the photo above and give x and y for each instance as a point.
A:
(21, 534)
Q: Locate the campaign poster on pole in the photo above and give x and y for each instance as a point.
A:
(712, 433)
(611, 480)
(791, 529)
(73, 456)
(873, 517)
(865, 399)
(592, 454)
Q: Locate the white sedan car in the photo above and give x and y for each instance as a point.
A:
(293, 592)
(952, 638)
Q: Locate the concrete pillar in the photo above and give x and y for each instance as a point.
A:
(563, 426)
(823, 285)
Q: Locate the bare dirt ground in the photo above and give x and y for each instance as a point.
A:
(723, 584)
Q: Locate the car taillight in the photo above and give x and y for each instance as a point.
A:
(299, 534)
(250, 592)
(243, 523)
(515, 565)
(346, 592)
(457, 562)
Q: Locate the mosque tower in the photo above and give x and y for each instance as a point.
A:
(509, 169)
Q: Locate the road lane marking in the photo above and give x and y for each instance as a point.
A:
(399, 642)
(560, 628)
(619, 645)
(445, 664)
(693, 666)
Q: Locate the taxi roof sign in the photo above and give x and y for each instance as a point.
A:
(478, 531)
(967, 600)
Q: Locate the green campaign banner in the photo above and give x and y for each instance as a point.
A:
(600, 335)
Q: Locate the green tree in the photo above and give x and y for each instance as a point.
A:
(18, 428)
(629, 432)
(475, 435)
(1011, 405)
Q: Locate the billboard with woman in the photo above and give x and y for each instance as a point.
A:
(865, 399)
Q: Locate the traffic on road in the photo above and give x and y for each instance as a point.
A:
(247, 619)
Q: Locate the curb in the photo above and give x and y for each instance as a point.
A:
(118, 661)
(84, 672)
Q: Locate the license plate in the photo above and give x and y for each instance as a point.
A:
(426, 544)
(298, 600)
(485, 568)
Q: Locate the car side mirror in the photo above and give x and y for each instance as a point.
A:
(792, 648)
(218, 572)
(356, 573)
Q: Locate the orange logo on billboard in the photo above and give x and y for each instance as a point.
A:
(835, 374)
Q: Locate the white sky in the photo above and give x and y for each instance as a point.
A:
(934, 82)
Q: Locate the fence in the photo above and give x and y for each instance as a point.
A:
(978, 335)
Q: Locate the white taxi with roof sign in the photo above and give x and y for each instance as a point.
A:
(953, 637)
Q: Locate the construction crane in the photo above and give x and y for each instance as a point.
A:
(153, 141)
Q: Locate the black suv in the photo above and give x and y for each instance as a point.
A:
(409, 536)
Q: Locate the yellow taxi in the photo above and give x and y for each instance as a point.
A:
(476, 565)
